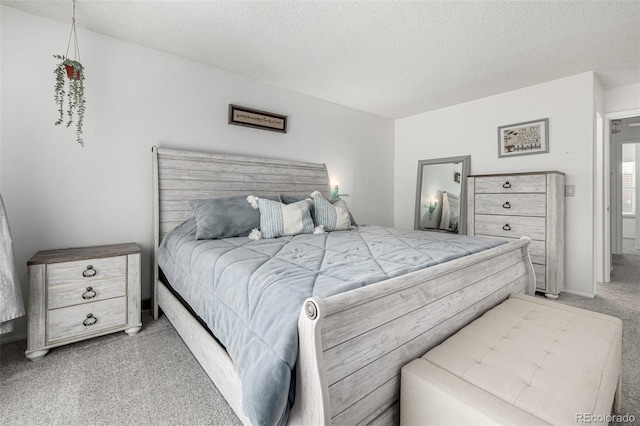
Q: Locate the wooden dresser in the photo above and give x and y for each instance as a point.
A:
(513, 205)
(79, 293)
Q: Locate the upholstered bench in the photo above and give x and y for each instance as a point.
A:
(527, 361)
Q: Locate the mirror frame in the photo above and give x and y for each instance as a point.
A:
(466, 169)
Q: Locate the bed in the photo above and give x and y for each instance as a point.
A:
(351, 345)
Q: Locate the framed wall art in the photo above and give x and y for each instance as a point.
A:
(248, 117)
(529, 137)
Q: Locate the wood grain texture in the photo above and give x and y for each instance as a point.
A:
(75, 271)
(67, 323)
(312, 398)
(134, 302)
(345, 325)
(511, 226)
(349, 356)
(348, 367)
(555, 233)
(72, 294)
(80, 253)
(511, 183)
(57, 308)
(488, 220)
(511, 204)
(37, 312)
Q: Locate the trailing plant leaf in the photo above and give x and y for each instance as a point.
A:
(74, 94)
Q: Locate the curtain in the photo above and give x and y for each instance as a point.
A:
(11, 304)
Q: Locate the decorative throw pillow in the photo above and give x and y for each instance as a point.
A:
(289, 198)
(225, 217)
(278, 219)
(333, 217)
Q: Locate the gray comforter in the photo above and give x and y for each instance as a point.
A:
(250, 293)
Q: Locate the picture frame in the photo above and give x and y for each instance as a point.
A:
(249, 117)
(526, 138)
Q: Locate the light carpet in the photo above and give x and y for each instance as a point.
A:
(152, 378)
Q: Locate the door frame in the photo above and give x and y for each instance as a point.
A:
(603, 200)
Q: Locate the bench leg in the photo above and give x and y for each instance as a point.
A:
(617, 399)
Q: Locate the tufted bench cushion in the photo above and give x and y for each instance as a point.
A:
(526, 361)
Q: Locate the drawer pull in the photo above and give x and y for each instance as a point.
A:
(89, 294)
(506, 185)
(89, 272)
(506, 205)
(506, 227)
(90, 320)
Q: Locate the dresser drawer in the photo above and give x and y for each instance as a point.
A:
(511, 183)
(512, 204)
(87, 270)
(77, 293)
(510, 226)
(80, 320)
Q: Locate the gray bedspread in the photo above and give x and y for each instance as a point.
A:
(250, 293)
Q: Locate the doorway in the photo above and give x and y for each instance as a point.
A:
(625, 187)
(605, 210)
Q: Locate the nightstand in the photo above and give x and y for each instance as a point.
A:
(80, 293)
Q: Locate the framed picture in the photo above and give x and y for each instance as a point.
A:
(248, 117)
(529, 137)
(456, 177)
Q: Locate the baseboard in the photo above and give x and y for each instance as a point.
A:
(580, 293)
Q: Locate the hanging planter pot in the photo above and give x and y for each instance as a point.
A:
(74, 69)
(69, 85)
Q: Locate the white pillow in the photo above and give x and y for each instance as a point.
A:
(333, 217)
(278, 220)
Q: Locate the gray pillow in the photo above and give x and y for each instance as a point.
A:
(226, 217)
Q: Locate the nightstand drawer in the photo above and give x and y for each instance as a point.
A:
(510, 226)
(512, 204)
(513, 183)
(74, 321)
(87, 270)
(59, 296)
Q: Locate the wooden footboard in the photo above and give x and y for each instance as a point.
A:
(353, 345)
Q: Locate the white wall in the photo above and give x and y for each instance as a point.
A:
(471, 128)
(622, 98)
(60, 195)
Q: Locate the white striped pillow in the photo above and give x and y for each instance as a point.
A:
(278, 220)
(333, 217)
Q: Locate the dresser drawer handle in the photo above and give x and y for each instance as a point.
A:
(506, 185)
(89, 294)
(89, 272)
(506, 205)
(90, 320)
(506, 227)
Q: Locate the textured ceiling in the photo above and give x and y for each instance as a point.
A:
(391, 58)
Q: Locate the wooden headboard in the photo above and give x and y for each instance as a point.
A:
(181, 176)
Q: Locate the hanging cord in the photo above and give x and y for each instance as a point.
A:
(74, 35)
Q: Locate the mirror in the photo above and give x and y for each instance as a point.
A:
(441, 194)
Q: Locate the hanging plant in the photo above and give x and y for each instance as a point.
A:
(71, 72)
(73, 92)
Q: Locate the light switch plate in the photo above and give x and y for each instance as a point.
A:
(569, 190)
